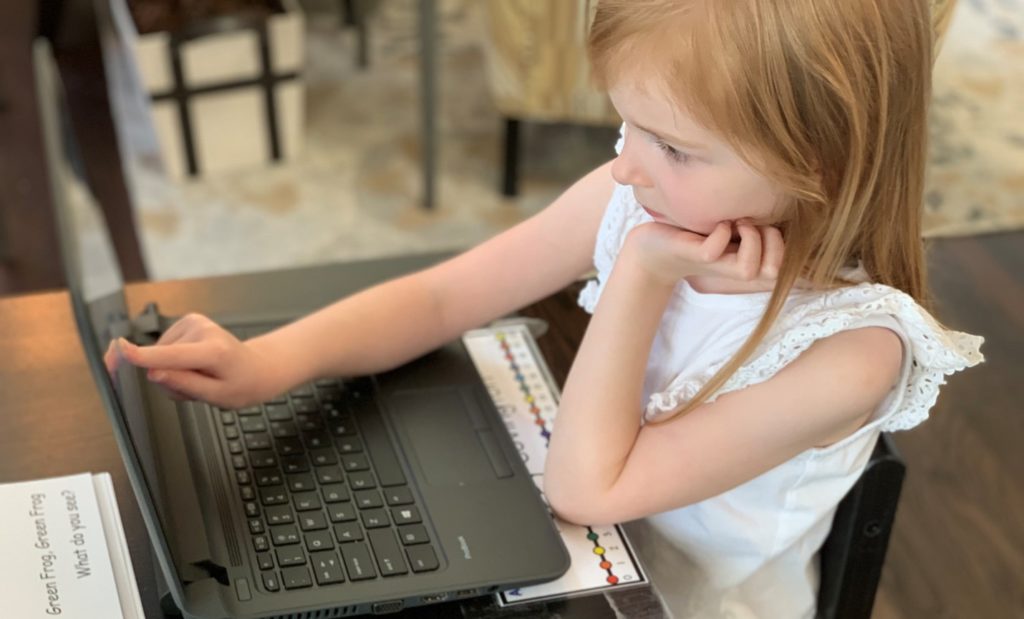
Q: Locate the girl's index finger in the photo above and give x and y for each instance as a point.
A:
(716, 242)
(185, 356)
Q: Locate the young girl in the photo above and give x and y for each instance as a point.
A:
(759, 308)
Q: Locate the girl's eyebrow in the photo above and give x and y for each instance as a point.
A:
(672, 139)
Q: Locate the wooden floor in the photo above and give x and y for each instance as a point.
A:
(958, 545)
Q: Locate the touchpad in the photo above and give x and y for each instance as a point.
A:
(439, 426)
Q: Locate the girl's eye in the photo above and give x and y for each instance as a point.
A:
(675, 155)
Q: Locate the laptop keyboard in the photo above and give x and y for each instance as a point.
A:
(326, 500)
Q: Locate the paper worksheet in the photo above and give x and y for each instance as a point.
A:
(518, 381)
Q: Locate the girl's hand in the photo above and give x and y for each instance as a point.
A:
(669, 254)
(196, 359)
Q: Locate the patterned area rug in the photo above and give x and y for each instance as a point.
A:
(355, 190)
(976, 165)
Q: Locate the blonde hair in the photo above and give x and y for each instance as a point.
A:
(827, 98)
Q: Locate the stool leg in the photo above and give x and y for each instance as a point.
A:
(510, 182)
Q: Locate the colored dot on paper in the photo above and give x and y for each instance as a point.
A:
(613, 580)
(598, 551)
(606, 565)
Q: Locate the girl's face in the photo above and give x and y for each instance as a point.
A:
(680, 173)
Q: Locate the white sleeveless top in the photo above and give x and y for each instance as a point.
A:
(752, 551)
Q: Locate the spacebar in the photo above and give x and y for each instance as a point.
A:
(378, 442)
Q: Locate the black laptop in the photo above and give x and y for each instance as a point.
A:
(342, 497)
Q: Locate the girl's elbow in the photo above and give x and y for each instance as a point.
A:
(580, 510)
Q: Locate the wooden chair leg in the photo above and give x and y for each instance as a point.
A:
(510, 181)
(80, 61)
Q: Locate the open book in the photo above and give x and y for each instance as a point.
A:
(63, 550)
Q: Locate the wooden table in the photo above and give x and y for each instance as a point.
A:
(52, 422)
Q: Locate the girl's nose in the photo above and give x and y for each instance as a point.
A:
(626, 168)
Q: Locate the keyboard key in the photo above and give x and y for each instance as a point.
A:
(273, 495)
(279, 514)
(378, 443)
(243, 478)
(290, 555)
(309, 423)
(296, 577)
(422, 558)
(361, 480)
(251, 410)
(238, 461)
(341, 512)
(294, 464)
(326, 567)
(247, 493)
(342, 426)
(270, 581)
(261, 543)
(319, 540)
(386, 550)
(321, 457)
(253, 424)
(405, 515)
(268, 477)
(235, 447)
(329, 474)
(258, 440)
(312, 521)
(231, 433)
(304, 390)
(262, 458)
(305, 405)
(355, 462)
(289, 447)
(349, 444)
(255, 526)
(264, 560)
(284, 534)
(374, 518)
(316, 440)
(280, 398)
(227, 418)
(413, 534)
(301, 483)
(358, 563)
(305, 501)
(252, 509)
(278, 412)
(398, 496)
(335, 492)
(348, 532)
(283, 429)
(367, 498)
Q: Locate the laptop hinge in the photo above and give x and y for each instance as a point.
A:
(145, 328)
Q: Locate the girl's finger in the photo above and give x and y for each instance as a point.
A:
(774, 248)
(712, 247)
(186, 385)
(748, 258)
(186, 356)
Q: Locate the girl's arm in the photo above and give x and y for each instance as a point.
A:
(391, 323)
(603, 467)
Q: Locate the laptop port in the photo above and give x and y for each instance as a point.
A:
(384, 608)
(465, 593)
(437, 597)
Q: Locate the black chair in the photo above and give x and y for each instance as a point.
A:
(854, 551)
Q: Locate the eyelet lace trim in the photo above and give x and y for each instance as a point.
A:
(936, 352)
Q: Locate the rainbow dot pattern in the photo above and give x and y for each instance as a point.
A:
(518, 382)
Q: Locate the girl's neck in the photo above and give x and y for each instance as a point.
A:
(721, 285)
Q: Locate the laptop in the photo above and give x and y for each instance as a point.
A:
(342, 497)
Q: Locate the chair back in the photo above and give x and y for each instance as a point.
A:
(854, 551)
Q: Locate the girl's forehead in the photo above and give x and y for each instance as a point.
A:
(648, 104)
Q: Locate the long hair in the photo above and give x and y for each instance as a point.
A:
(827, 98)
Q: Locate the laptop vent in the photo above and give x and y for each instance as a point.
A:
(222, 508)
(329, 613)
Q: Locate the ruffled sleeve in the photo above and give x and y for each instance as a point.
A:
(934, 351)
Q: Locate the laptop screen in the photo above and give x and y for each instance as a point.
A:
(129, 422)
